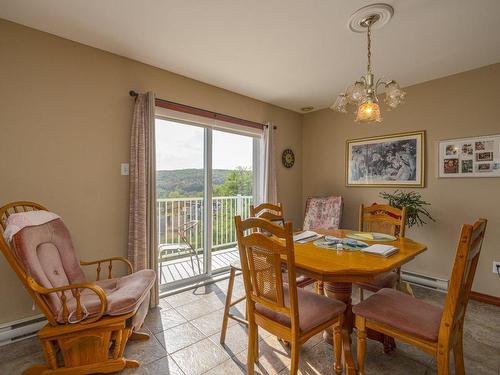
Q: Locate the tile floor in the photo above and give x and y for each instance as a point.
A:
(185, 341)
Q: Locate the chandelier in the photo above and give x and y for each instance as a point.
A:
(363, 94)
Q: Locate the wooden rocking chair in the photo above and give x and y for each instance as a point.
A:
(89, 323)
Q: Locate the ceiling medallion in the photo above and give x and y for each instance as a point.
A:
(363, 94)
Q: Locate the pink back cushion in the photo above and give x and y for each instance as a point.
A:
(325, 213)
(47, 254)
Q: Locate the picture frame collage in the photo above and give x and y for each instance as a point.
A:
(469, 157)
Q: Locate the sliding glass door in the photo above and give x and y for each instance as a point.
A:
(232, 192)
(204, 178)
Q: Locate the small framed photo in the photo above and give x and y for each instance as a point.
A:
(486, 167)
(484, 156)
(467, 150)
(467, 166)
(450, 166)
(469, 157)
(390, 160)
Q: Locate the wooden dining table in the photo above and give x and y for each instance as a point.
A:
(339, 269)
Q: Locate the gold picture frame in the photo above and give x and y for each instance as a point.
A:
(393, 160)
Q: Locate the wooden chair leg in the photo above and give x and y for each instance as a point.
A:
(337, 346)
(252, 328)
(361, 342)
(389, 344)
(320, 288)
(139, 336)
(294, 353)
(361, 294)
(256, 358)
(458, 354)
(229, 296)
(131, 363)
(443, 362)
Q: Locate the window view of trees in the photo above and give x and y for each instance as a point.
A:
(187, 183)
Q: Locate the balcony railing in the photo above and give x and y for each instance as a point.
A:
(174, 212)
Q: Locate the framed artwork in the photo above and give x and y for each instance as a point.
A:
(395, 160)
(469, 157)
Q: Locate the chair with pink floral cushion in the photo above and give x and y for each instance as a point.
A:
(323, 213)
(89, 322)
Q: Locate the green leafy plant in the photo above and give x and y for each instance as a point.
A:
(416, 213)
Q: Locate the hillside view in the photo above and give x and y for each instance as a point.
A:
(189, 182)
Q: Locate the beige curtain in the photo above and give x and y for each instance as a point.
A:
(142, 241)
(268, 189)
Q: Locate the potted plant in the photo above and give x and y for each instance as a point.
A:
(416, 213)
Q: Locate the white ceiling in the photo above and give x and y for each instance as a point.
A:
(292, 53)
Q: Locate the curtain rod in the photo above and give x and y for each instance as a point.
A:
(203, 112)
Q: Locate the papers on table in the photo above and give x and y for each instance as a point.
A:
(381, 250)
(371, 236)
(306, 236)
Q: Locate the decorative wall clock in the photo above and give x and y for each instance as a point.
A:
(288, 158)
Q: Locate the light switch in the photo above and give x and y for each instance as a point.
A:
(124, 169)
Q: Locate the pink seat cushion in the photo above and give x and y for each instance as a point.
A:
(324, 213)
(314, 310)
(403, 312)
(386, 280)
(124, 294)
(47, 254)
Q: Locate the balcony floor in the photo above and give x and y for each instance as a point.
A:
(180, 269)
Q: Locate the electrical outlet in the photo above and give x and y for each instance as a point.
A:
(496, 267)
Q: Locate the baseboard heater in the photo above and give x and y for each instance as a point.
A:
(21, 329)
(425, 281)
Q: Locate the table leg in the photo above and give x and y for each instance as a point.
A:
(341, 292)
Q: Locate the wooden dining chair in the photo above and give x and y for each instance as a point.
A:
(292, 314)
(430, 328)
(270, 212)
(274, 214)
(386, 219)
(88, 322)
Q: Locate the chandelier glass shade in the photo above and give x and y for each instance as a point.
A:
(363, 94)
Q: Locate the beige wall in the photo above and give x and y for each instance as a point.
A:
(462, 105)
(65, 117)
(64, 130)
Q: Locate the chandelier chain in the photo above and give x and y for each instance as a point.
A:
(369, 67)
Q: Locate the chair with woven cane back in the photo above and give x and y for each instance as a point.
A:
(89, 323)
(274, 214)
(430, 328)
(290, 313)
(386, 219)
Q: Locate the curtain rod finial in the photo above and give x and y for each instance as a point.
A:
(133, 93)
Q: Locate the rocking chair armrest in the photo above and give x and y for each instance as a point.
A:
(80, 310)
(130, 268)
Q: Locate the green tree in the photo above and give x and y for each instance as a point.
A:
(237, 181)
